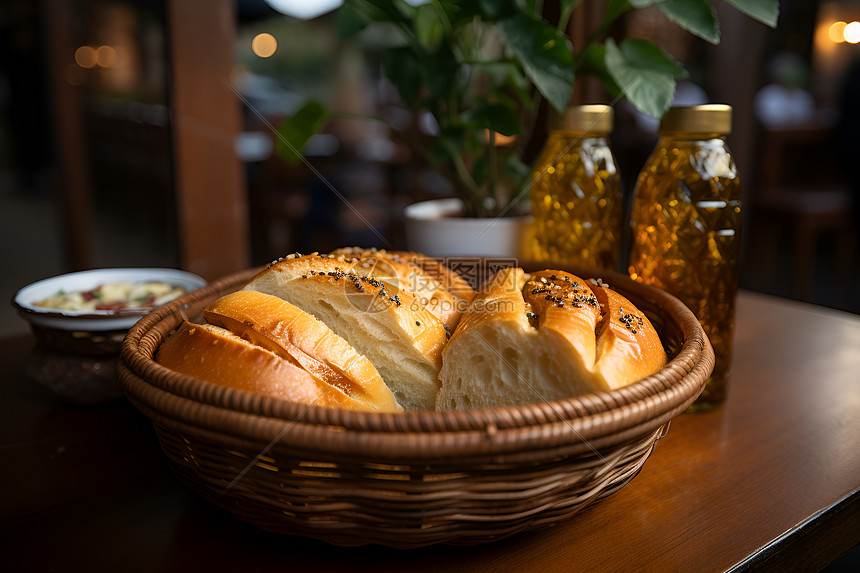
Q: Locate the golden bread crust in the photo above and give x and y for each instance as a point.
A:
(297, 337)
(216, 356)
(545, 336)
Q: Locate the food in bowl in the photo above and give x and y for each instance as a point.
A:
(44, 305)
(114, 296)
(77, 345)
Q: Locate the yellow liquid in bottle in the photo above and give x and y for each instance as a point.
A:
(577, 202)
(686, 225)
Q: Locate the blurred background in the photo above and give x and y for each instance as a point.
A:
(141, 133)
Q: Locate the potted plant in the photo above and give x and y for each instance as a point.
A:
(485, 71)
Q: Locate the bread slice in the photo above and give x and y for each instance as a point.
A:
(544, 337)
(297, 337)
(388, 325)
(216, 355)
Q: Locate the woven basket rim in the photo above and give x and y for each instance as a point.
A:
(258, 432)
(640, 405)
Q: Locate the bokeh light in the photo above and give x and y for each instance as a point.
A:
(851, 33)
(835, 32)
(85, 56)
(264, 45)
(106, 56)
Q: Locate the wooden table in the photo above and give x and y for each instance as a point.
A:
(770, 480)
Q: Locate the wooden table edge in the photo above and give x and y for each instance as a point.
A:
(831, 532)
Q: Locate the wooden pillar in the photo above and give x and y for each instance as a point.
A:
(69, 135)
(587, 17)
(210, 181)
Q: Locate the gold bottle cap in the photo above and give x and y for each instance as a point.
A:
(594, 118)
(711, 118)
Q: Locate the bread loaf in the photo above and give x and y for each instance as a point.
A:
(401, 336)
(439, 289)
(545, 336)
(262, 344)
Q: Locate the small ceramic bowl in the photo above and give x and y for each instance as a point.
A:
(76, 350)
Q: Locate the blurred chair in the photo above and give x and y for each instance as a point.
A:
(801, 194)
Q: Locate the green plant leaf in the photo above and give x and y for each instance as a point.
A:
(294, 132)
(765, 11)
(649, 56)
(516, 170)
(481, 169)
(450, 141)
(545, 53)
(645, 74)
(355, 15)
(531, 7)
(404, 71)
(458, 13)
(389, 8)
(592, 61)
(695, 16)
(428, 26)
(566, 8)
(507, 78)
(499, 117)
(617, 8)
(520, 86)
(439, 70)
(350, 20)
(494, 10)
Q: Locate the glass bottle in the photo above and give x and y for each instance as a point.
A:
(686, 227)
(576, 197)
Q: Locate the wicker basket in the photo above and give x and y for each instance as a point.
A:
(412, 479)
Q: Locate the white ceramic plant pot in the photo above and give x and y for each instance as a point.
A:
(437, 229)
